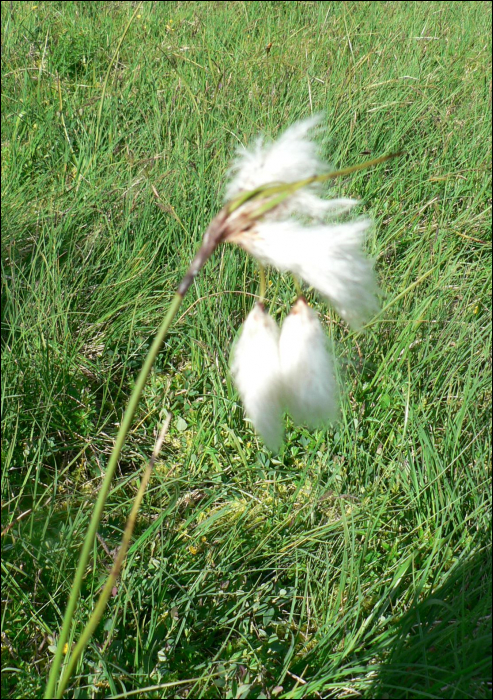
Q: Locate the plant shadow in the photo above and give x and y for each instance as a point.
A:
(442, 646)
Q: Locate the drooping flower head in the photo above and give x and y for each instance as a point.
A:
(256, 371)
(276, 213)
(309, 385)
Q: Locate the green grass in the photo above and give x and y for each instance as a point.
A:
(358, 562)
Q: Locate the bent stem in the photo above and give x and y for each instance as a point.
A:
(263, 284)
(103, 493)
(115, 570)
(212, 237)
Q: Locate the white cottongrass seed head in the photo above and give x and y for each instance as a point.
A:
(294, 156)
(310, 388)
(327, 256)
(256, 371)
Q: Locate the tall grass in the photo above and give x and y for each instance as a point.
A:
(358, 561)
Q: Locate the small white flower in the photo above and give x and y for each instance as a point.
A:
(256, 371)
(310, 389)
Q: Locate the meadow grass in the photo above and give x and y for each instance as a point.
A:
(357, 563)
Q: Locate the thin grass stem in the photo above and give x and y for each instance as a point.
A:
(104, 490)
(117, 564)
(263, 284)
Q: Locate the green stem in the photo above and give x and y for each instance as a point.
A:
(263, 283)
(297, 286)
(103, 492)
(115, 570)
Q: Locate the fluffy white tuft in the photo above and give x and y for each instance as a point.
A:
(310, 389)
(256, 371)
(328, 257)
(292, 157)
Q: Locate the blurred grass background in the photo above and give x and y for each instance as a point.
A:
(357, 563)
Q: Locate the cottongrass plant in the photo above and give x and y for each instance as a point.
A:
(274, 212)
